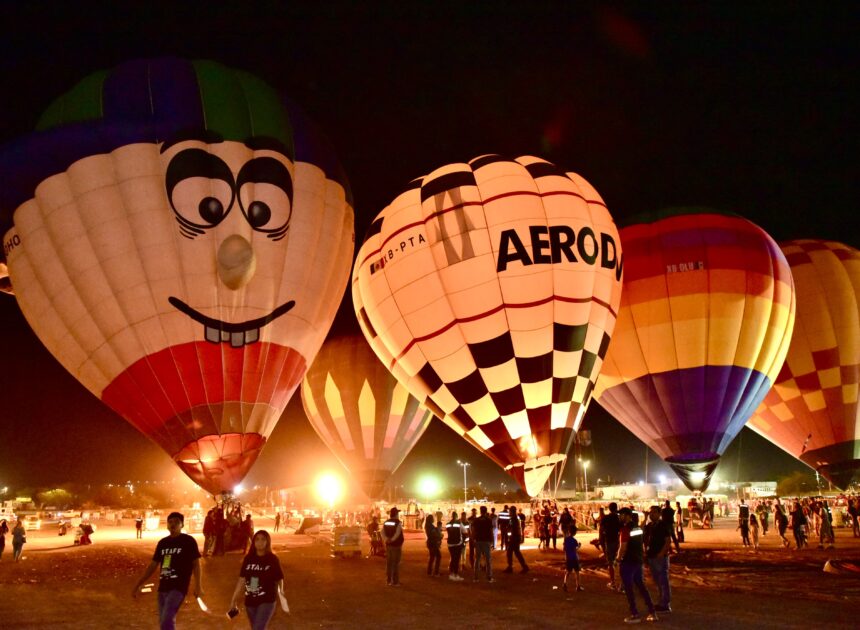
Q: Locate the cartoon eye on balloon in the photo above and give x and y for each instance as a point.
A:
(490, 290)
(811, 412)
(179, 238)
(361, 412)
(706, 314)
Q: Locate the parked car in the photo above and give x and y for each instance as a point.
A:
(32, 522)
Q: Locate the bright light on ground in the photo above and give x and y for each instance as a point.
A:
(428, 486)
(329, 488)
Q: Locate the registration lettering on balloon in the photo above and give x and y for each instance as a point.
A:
(185, 239)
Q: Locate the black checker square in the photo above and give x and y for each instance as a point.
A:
(540, 419)
(566, 338)
(562, 389)
(493, 352)
(509, 401)
(469, 388)
(535, 369)
(604, 346)
(429, 378)
(586, 396)
(544, 169)
(496, 431)
(484, 160)
(586, 364)
(462, 416)
(446, 182)
(435, 409)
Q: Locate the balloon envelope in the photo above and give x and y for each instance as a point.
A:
(490, 290)
(361, 412)
(705, 318)
(180, 242)
(811, 412)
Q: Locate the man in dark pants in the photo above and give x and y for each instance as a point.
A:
(610, 528)
(659, 545)
(632, 556)
(392, 535)
(515, 538)
(482, 534)
(504, 526)
(178, 557)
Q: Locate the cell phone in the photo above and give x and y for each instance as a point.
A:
(232, 612)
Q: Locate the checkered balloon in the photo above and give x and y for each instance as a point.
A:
(490, 290)
(811, 412)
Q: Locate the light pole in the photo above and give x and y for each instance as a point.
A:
(464, 465)
(585, 475)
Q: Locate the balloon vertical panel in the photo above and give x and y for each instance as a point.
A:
(183, 256)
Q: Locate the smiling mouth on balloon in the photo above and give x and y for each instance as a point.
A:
(238, 334)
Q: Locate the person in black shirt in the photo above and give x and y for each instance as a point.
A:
(504, 526)
(482, 534)
(610, 528)
(178, 557)
(262, 580)
(659, 545)
(632, 555)
(434, 545)
(515, 538)
(392, 534)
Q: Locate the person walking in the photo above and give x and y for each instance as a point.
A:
(4, 529)
(754, 530)
(178, 558)
(610, 530)
(434, 545)
(482, 534)
(780, 520)
(247, 532)
(571, 557)
(454, 531)
(261, 579)
(744, 527)
(825, 534)
(392, 535)
(504, 526)
(19, 537)
(632, 556)
(515, 539)
(138, 526)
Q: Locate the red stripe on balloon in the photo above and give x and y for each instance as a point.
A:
(167, 383)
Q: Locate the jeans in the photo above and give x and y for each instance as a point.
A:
(660, 572)
(483, 549)
(513, 549)
(631, 575)
(17, 548)
(168, 605)
(454, 567)
(260, 615)
(392, 563)
(434, 560)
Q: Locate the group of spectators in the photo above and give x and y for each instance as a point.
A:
(224, 529)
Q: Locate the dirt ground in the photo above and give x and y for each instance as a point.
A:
(715, 582)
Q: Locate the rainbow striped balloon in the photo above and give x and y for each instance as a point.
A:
(705, 321)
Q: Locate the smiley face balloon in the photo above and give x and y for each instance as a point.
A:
(179, 239)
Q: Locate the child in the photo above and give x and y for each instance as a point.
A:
(754, 530)
(571, 557)
(744, 526)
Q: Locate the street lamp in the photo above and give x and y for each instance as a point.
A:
(464, 465)
(585, 475)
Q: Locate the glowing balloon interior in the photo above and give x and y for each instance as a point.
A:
(706, 315)
(361, 412)
(179, 239)
(490, 290)
(811, 412)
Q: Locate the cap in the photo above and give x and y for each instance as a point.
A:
(393, 512)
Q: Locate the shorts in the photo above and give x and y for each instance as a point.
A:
(611, 553)
(572, 564)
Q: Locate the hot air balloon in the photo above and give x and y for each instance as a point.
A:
(179, 239)
(490, 290)
(706, 315)
(361, 412)
(811, 411)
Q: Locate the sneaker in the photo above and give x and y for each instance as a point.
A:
(652, 617)
(452, 577)
(611, 586)
(632, 619)
(460, 578)
(580, 588)
(663, 610)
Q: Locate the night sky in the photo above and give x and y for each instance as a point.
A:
(749, 107)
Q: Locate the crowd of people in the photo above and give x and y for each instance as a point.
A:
(225, 529)
(19, 537)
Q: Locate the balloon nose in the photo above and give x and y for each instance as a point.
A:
(236, 262)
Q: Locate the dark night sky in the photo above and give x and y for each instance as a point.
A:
(743, 106)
